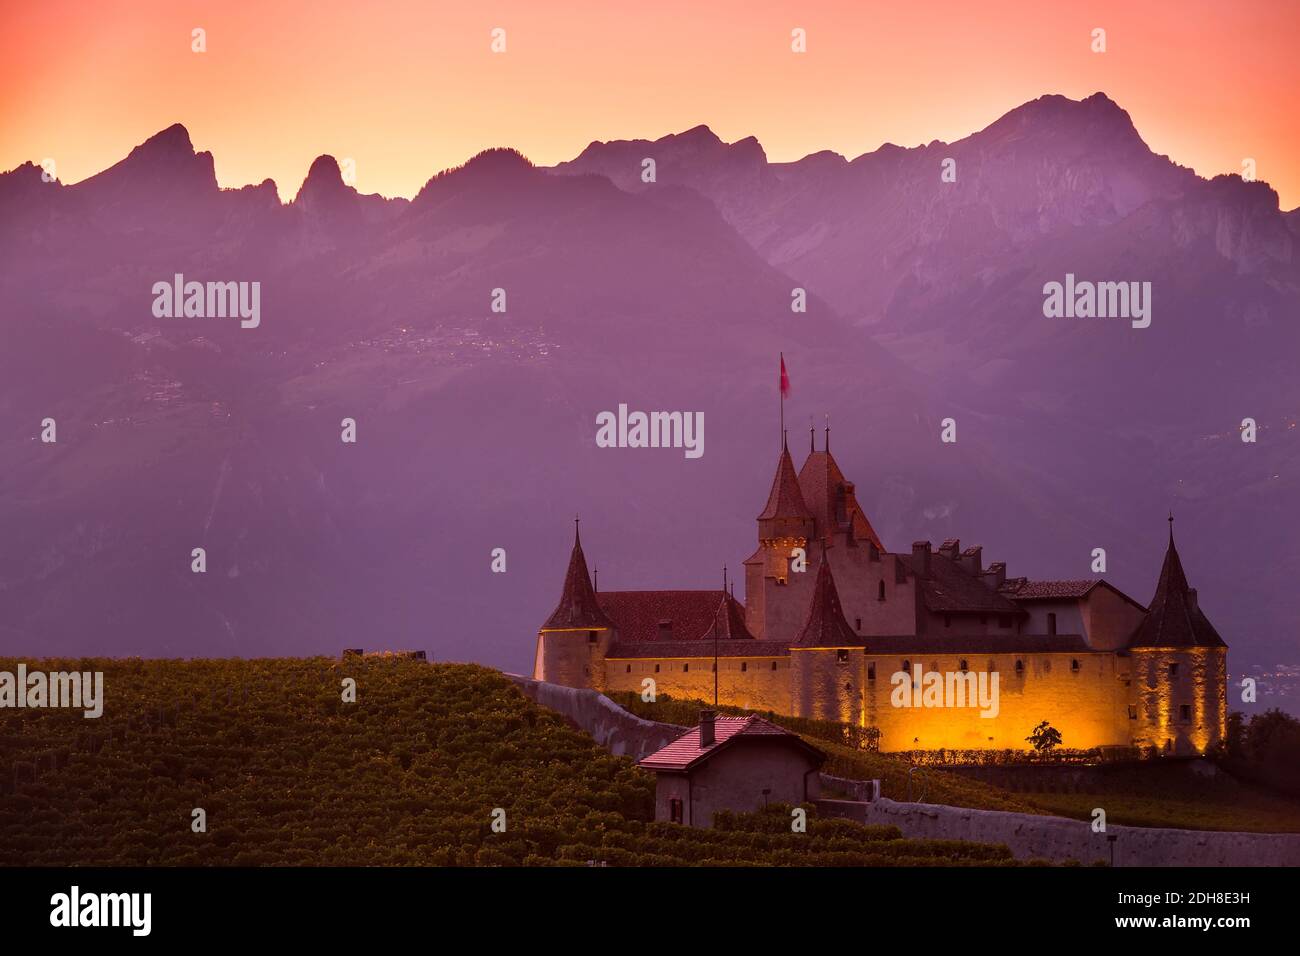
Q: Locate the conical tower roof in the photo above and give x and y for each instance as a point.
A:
(826, 625)
(1175, 618)
(578, 607)
(785, 500)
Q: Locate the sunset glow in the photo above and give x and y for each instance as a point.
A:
(407, 87)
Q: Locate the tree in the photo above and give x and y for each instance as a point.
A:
(1045, 737)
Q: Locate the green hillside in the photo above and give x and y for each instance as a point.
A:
(410, 774)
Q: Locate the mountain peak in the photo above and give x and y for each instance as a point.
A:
(174, 140)
(698, 134)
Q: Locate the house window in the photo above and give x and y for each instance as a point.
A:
(841, 656)
(1051, 623)
(675, 810)
(1184, 711)
(1074, 664)
(880, 591)
(1020, 666)
(961, 665)
(591, 637)
(744, 665)
(1173, 670)
(871, 671)
(1004, 620)
(857, 624)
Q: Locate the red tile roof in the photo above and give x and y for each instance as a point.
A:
(690, 615)
(700, 649)
(1022, 589)
(685, 752)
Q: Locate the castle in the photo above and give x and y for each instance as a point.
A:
(832, 621)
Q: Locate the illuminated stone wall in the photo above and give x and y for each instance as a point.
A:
(569, 657)
(755, 683)
(1180, 696)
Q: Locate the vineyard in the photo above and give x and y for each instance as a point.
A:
(414, 772)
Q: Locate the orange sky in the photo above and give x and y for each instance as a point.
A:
(408, 87)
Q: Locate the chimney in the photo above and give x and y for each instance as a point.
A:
(921, 556)
(950, 548)
(996, 575)
(972, 560)
(706, 728)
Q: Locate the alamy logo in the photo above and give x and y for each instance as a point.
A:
(179, 299)
(1098, 300)
(923, 688)
(133, 910)
(81, 691)
(651, 430)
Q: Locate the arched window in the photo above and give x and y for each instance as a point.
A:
(880, 591)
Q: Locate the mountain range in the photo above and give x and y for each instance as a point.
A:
(476, 428)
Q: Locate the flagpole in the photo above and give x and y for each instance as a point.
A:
(780, 387)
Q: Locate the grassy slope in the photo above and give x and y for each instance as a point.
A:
(410, 774)
(1153, 795)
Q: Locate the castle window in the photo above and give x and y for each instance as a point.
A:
(686, 668)
(848, 687)
(1173, 670)
(907, 666)
(675, 810)
(1184, 711)
(961, 665)
(880, 591)
(656, 668)
(871, 671)
(1051, 623)
(744, 665)
(1004, 620)
(1020, 667)
(841, 656)
(774, 665)
(1074, 664)
(629, 668)
(857, 624)
(591, 637)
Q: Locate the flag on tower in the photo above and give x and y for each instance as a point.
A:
(785, 378)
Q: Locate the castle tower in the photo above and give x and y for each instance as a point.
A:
(572, 644)
(827, 665)
(774, 597)
(1180, 669)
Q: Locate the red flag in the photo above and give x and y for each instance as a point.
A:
(785, 379)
